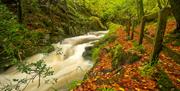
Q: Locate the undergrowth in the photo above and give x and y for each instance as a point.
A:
(74, 84)
(108, 38)
(148, 69)
(120, 57)
(137, 47)
(17, 42)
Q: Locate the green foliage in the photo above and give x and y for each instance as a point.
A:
(106, 89)
(39, 68)
(112, 27)
(36, 70)
(10, 35)
(150, 6)
(74, 84)
(137, 47)
(116, 9)
(66, 17)
(120, 57)
(16, 41)
(134, 57)
(108, 38)
(95, 54)
(96, 24)
(117, 55)
(148, 69)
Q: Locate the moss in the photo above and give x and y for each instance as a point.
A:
(137, 47)
(117, 55)
(108, 38)
(120, 57)
(164, 83)
(132, 57)
(95, 54)
(148, 70)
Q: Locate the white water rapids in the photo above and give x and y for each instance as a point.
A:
(67, 67)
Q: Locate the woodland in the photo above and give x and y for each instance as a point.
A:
(139, 52)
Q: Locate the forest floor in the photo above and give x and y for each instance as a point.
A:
(128, 77)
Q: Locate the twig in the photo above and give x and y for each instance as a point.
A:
(19, 55)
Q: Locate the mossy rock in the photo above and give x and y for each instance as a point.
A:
(88, 53)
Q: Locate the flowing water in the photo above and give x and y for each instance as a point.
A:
(66, 61)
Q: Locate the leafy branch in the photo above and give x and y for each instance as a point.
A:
(35, 70)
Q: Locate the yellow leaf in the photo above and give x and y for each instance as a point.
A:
(121, 89)
(178, 80)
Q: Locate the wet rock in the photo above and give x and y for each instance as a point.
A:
(88, 53)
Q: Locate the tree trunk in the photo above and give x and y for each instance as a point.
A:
(67, 29)
(140, 9)
(142, 26)
(162, 20)
(19, 9)
(132, 33)
(128, 27)
(175, 5)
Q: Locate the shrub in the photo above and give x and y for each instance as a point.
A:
(95, 54)
(149, 69)
(74, 84)
(118, 55)
(137, 47)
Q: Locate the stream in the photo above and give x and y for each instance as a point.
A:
(66, 61)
